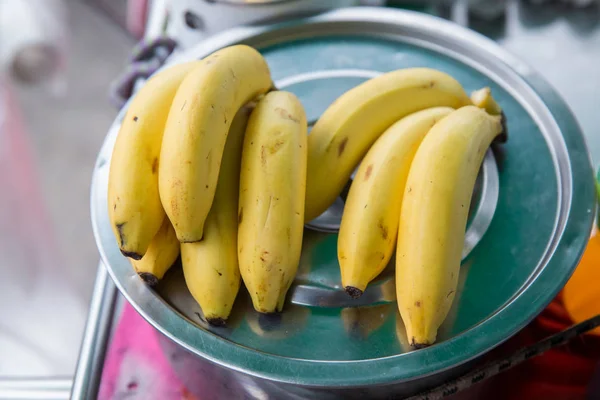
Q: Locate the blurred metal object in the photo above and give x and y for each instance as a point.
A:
(95, 337)
(191, 21)
(33, 39)
(34, 63)
(35, 388)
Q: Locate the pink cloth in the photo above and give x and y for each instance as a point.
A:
(137, 12)
(135, 367)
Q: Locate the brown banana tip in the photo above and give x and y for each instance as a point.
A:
(355, 293)
(418, 346)
(269, 321)
(132, 254)
(150, 279)
(216, 321)
(503, 136)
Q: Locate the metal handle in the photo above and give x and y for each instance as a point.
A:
(95, 338)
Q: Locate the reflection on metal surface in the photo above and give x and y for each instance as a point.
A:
(279, 325)
(362, 322)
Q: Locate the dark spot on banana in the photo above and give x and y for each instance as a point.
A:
(263, 256)
(409, 189)
(417, 303)
(382, 229)
(220, 274)
(369, 171)
(283, 113)
(342, 146)
(183, 105)
(148, 278)
(155, 166)
(216, 321)
(207, 186)
(135, 119)
(240, 216)
(449, 293)
(122, 238)
(263, 155)
(355, 293)
(131, 254)
(115, 206)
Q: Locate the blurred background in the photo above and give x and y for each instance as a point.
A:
(59, 60)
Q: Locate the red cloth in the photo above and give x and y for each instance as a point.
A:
(562, 373)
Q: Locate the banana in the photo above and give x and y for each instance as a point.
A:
(371, 215)
(433, 218)
(196, 132)
(210, 266)
(134, 206)
(161, 254)
(272, 190)
(350, 125)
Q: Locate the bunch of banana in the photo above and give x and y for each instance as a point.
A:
(134, 206)
(349, 126)
(210, 266)
(160, 256)
(196, 131)
(367, 236)
(193, 171)
(272, 195)
(434, 215)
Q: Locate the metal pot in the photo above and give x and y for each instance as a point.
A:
(530, 222)
(191, 21)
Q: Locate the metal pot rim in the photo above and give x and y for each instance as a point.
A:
(576, 203)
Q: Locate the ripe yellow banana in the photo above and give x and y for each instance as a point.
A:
(272, 190)
(196, 131)
(134, 207)
(161, 254)
(433, 218)
(369, 227)
(210, 266)
(350, 125)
